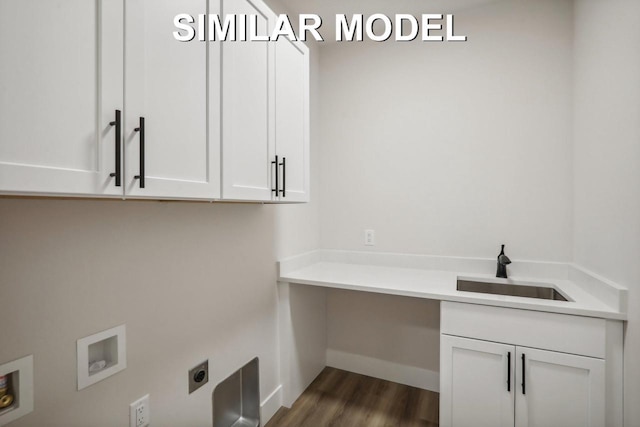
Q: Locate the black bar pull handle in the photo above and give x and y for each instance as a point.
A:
(284, 177)
(276, 190)
(118, 124)
(523, 376)
(509, 371)
(141, 130)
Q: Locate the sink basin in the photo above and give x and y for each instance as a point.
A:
(515, 289)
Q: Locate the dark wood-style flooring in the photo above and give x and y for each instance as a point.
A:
(339, 398)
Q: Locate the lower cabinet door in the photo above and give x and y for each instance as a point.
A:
(558, 389)
(476, 383)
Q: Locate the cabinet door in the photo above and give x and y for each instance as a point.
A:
(476, 383)
(558, 389)
(60, 85)
(248, 111)
(292, 119)
(166, 84)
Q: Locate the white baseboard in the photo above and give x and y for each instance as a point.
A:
(390, 371)
(270, 405)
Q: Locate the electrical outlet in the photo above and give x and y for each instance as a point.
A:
(198, 376)
(369, 237)
(140, 412)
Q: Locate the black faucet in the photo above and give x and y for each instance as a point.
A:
(503, 260)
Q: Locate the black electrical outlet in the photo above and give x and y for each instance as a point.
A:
(198, 376)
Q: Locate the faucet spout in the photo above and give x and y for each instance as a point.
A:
(503, 261)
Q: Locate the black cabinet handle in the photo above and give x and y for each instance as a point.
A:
(284, 177)
(523, 376)
(276, 190)
(509, 371)
(118, 124)
(141, 130)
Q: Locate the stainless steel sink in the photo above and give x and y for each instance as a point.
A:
(527, 290)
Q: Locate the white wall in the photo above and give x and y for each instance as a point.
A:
(607, 160)
(453, 149)
(446, 149)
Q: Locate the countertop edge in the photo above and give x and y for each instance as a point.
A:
(292, 277)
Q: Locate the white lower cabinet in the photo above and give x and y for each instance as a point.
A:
(492, 384)
(489, 376)
(557, 389)
(476, 383)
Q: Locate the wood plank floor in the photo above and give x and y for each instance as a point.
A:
(339, 398)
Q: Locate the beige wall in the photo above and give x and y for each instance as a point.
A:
(396, 329)
(446, 149)
(607, 160)
(191, 282)
(453, 148)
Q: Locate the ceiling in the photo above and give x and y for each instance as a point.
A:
(328, 9)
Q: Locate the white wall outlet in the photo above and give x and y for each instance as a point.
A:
(140, 412)
(369, 237)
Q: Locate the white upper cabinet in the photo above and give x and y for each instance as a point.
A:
(557, 389)
(98, 98)
(248, 109)
(265, 114)
(292, 120)
(172, 153)
(61, 83)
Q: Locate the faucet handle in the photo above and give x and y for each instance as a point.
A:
(504, 260)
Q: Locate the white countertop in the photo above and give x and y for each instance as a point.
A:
(441, 285)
